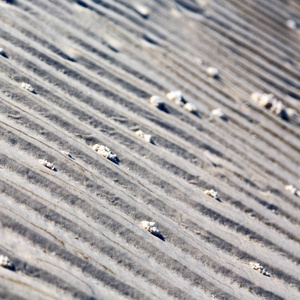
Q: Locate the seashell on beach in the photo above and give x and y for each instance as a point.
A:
(176, 97)
(106, 152)
(157, 102)
(151, 227)
(213, 194)
(27, 87)
(292, 190)
(2, 52)
(5, 262)
(146, 137)
(190, 107)
(47, 164)
(218, 113)
(213, 72)
(292, 24)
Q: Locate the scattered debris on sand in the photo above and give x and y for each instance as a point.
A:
(213, 194)
(218, 113)
(47, 164)
(213, 72)
(292, 190)
(5, 262)
(257, 266)
(106, 152)
(176, 97)
(292, 24)
(151, 227)
(157, 102)
(2, 52)
(146, 137)
(270, 102)
(27, 87)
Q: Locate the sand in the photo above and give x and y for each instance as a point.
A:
(73, 231)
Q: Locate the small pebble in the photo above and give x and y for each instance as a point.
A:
(67, 154)
(5, 262)
(142, 11)
(151, 227)
(218, 113)
(47, 164)
(146, 137)
(190, 107)
(292, 24)
(292, 190)
(27, 87)
(213, 72)
(213, 194)
(2, 52)
(176, 97)
(157, 102)
(106, 152)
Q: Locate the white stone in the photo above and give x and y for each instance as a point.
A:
(176, 97)
(156, 101)
(146, 137)
(212, 193)
(47, 164)
(292, 24)
(266, 100)
(151, 227)
(190, 107)
(5, 262)
(292, 114)
(212, 72)
(292, 190)
(142, 10)
(27, 87)
(2, 52)
(218, 113)
(105, 152)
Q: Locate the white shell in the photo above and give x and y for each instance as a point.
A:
(218, 113)
(212, 72)
(151, 227)
(292, 114)
(105, 152)
(156, 101)
(292, 24)
(176, 97)
(142, 10)
(2, 52)
(5, 262)
(47, 164)
(146, 137)
(257, 266)
(27, 87)
(190, 107)
(292, 190)
(212, 193)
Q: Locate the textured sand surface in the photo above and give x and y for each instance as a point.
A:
(72, 230)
